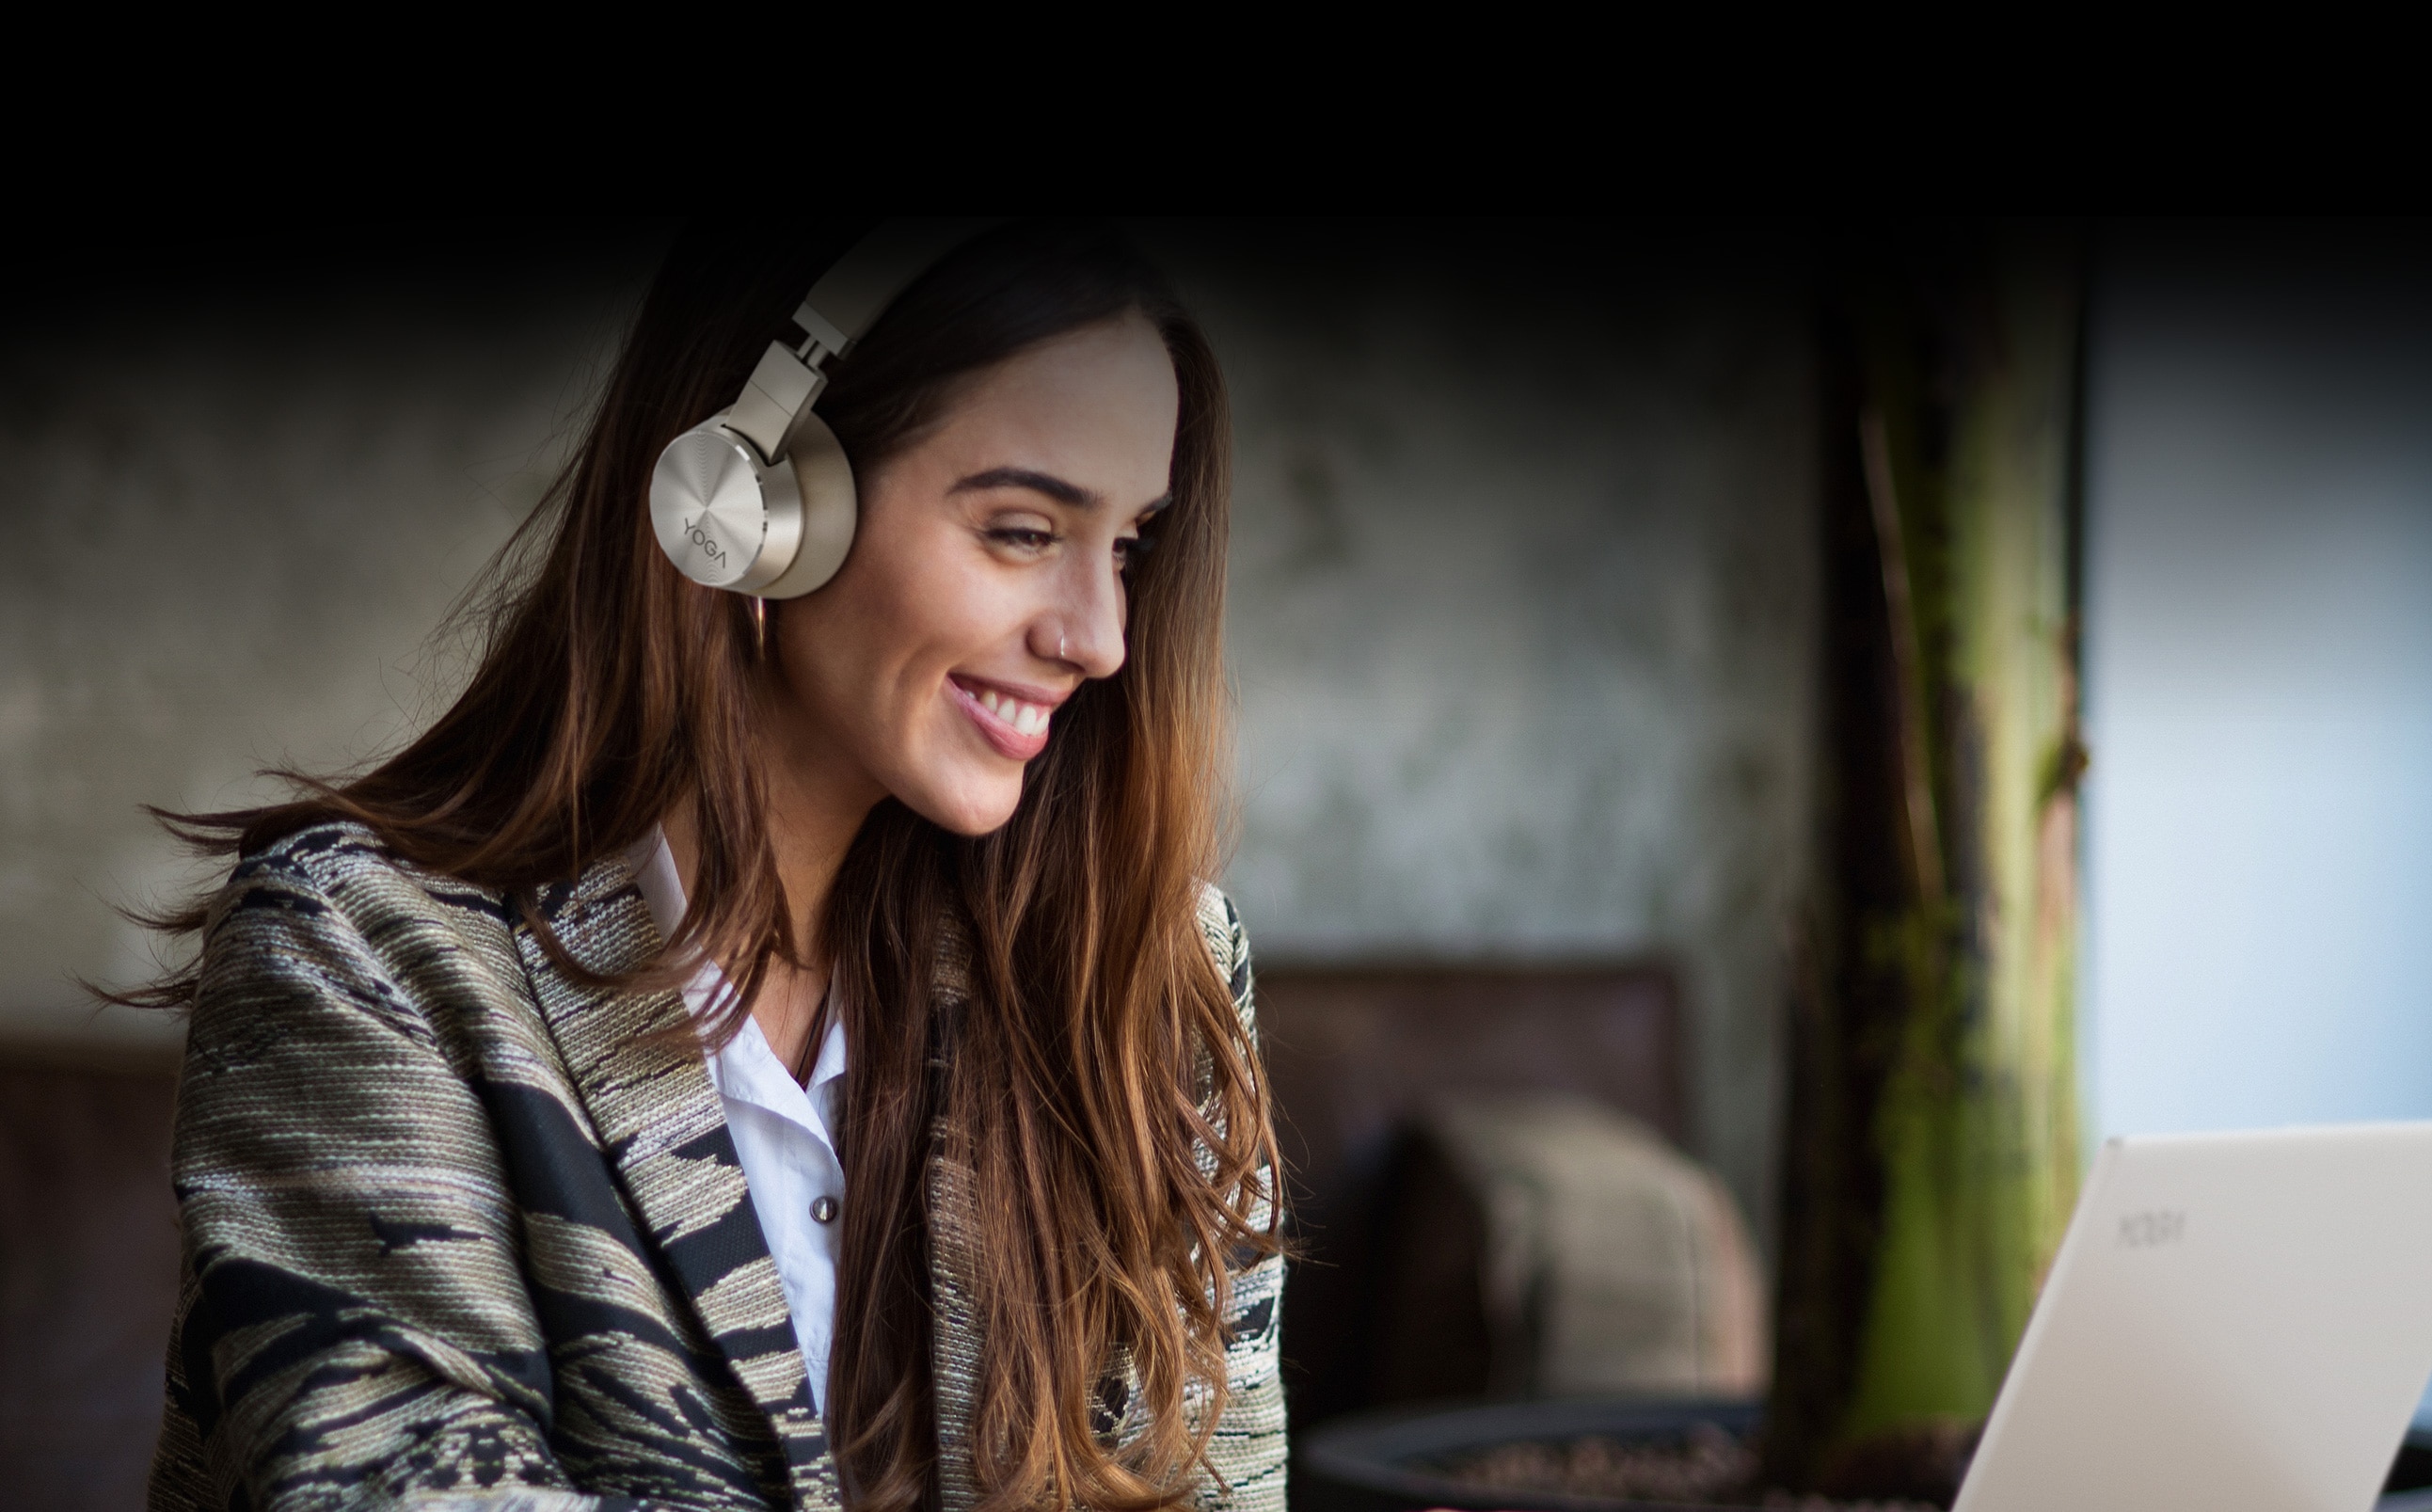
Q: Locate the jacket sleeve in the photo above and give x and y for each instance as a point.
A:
(1249, 1453)
(355, 1329)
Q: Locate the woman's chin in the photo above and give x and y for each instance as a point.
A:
(967, 806)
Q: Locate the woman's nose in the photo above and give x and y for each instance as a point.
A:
(1086, 629)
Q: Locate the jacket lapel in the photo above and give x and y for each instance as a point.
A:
(954, 1343)
(954, 1233)
(649, 1095)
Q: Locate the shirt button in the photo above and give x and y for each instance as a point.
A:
(824, 1210)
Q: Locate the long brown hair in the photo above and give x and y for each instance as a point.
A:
(1096, 1084)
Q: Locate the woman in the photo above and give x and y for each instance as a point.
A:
(770, 1054)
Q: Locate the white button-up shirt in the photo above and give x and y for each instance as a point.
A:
(784, 1132)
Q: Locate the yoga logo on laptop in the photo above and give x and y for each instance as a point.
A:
(2150, 1227)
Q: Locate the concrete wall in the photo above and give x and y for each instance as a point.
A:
(238, 509)
(1522, 593)
(1521, 597)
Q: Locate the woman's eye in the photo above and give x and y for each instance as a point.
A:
(1022, 538)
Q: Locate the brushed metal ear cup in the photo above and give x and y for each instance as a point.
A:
(706, 507)
(828, 510)
(725, 520)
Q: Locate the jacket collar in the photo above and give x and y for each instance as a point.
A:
(955, 1340)
(645, 1084)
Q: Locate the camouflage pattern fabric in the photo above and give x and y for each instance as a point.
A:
(460, 1231)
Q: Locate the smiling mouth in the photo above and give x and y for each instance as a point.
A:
(1026, 719)
(1016, 727)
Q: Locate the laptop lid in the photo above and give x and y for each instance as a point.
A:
(2235, 1321)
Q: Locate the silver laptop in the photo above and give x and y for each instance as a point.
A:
(2234, 1322)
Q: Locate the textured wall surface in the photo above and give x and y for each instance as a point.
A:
(237, 513)
(1522, 589)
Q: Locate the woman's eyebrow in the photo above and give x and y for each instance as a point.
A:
(1038, 483)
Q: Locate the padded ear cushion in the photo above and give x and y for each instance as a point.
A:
(829, 509)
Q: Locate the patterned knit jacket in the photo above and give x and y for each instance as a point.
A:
(459, 1231)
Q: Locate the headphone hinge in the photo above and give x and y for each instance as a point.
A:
(782, 387)
(826, 338)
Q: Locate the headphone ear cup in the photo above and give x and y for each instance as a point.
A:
(829, 509)
(725, 520)
(707, 507)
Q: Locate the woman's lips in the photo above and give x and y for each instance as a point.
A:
(1016, 727)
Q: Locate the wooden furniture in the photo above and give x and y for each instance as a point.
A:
(1354, 1053)
(88, 1278)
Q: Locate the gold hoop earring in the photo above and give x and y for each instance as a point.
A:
(759, 629)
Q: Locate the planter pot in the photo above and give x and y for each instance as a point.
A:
(1381, 1461)
(1386, 1461)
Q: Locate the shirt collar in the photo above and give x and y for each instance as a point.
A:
(655, 872)
(662, 888)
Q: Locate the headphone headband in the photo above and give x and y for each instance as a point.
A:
(844, 304)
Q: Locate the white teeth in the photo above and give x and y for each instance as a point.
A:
(1025, 719)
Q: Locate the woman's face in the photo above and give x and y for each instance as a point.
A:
(986, 581)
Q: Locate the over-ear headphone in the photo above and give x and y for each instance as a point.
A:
(759, 498)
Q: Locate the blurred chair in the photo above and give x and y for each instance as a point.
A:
(1357, 1058)
(1544, 1244)
(88, 1279)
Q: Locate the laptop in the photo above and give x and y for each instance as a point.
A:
(2235, 1323)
